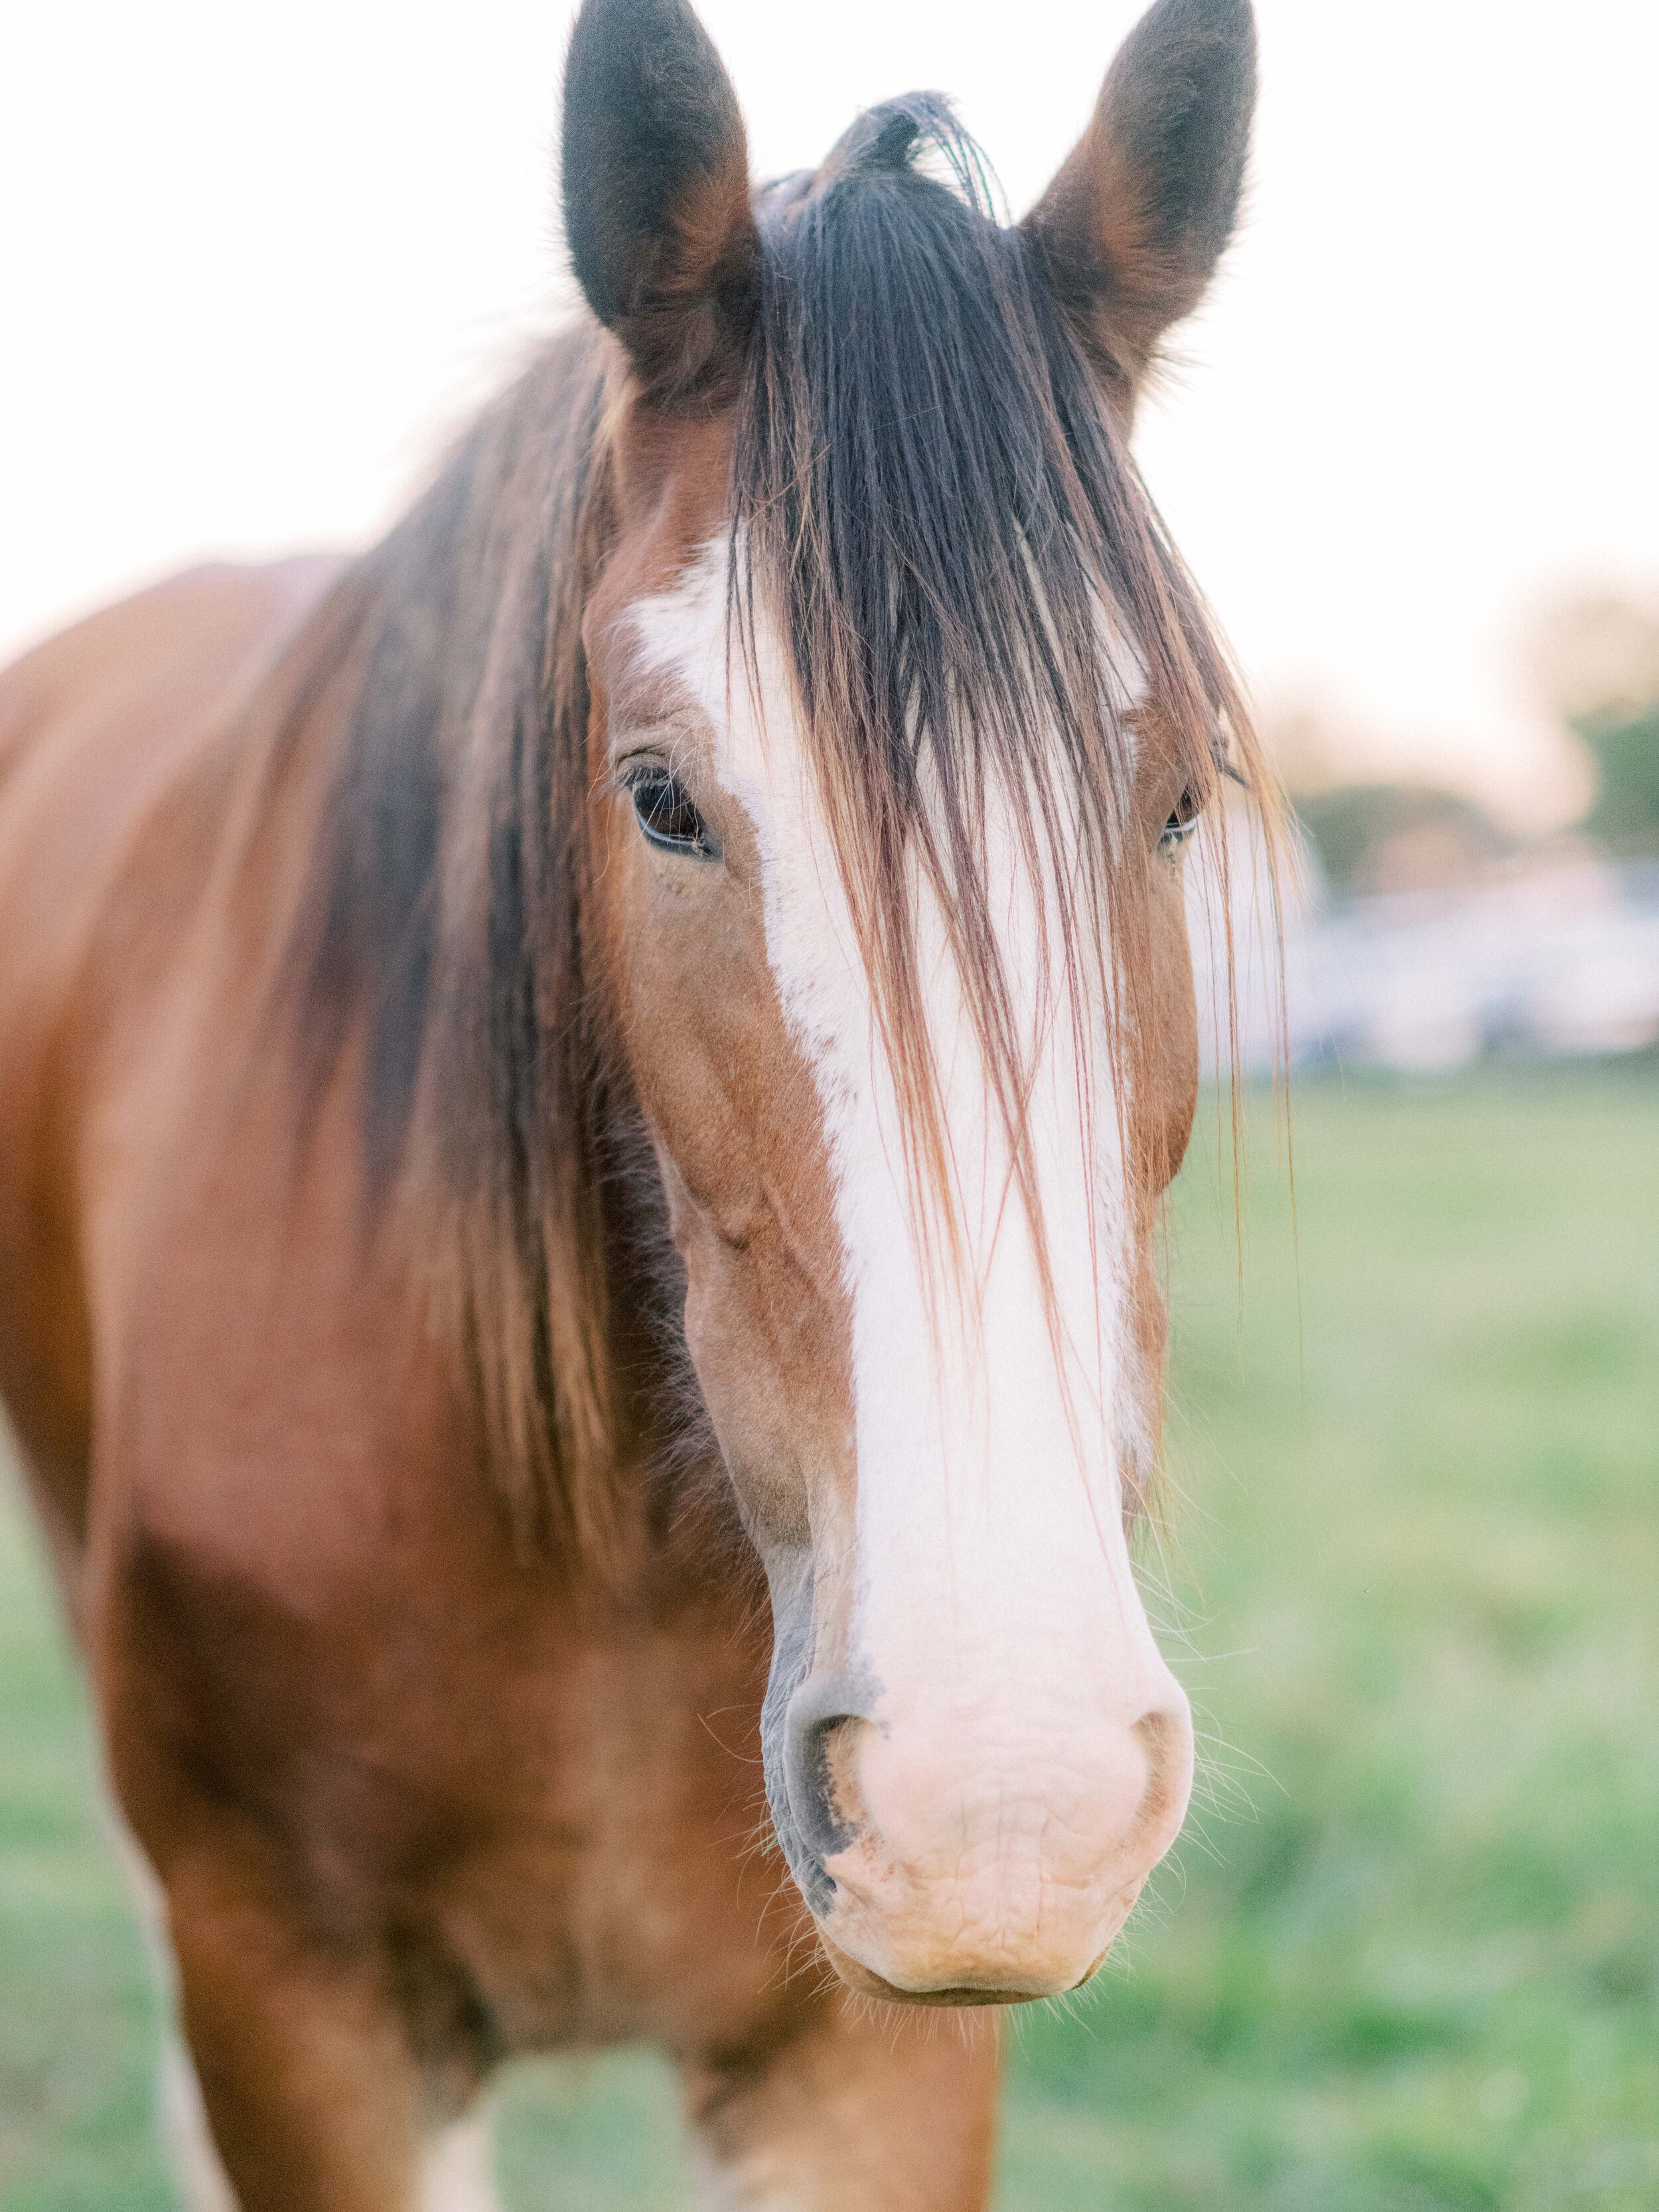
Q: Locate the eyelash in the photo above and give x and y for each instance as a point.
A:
(1182, 823)
(667, 816)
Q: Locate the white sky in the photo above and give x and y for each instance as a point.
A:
(254, 260)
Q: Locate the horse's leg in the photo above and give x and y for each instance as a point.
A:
(310, 2099)
(868, 2109)
(198, 2171)
(455, 2169)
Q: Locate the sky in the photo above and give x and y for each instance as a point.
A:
(258, 262)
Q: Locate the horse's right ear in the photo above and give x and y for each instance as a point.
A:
(655, 183)
(1131, 229)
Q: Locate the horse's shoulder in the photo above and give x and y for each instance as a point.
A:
(106, 830)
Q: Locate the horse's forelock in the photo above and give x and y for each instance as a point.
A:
(935, 510)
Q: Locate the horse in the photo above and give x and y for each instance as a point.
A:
(586, 1096)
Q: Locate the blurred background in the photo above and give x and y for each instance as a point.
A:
(256, 263)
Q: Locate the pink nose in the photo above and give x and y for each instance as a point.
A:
(1001, 1868)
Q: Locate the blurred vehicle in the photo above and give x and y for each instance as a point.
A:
(1553, 955)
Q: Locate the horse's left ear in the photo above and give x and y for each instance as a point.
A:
(655, 183)
(1131, 229)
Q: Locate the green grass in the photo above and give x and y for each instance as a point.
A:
(1406, 1959)
(1409, 1957)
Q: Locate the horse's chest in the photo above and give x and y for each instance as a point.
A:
(545, 1818)
(628, 1887)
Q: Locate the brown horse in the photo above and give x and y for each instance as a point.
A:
(585, 1101)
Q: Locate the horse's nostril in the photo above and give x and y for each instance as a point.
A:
(823, 1799)
(1166, 1737)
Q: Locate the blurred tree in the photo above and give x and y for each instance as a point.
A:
(1369, 833)
(1626, 812)
(1372, 837)
(1597, 658)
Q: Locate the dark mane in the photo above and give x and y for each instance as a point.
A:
(444, 920)
(933, 505)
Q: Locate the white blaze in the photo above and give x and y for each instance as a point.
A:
(994, 1612)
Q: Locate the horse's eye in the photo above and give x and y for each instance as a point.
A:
(1181, 824)
(667, 815)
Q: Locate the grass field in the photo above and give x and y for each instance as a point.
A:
(1406, 1959)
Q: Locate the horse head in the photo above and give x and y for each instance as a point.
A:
(903, 711)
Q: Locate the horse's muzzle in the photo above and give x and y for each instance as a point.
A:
(990, 1866)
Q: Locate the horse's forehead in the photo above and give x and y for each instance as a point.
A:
(672, 495)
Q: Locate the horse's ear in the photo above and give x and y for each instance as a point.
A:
(1133, 226)
(655, 183)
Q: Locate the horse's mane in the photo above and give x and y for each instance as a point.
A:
(931, 506)
(443, 923)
